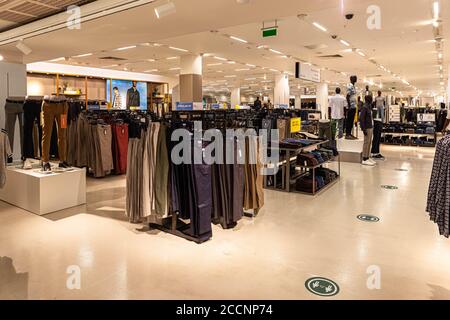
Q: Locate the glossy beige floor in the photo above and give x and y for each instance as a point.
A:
(294, 238)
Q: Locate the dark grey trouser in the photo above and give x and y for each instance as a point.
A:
(12, 112)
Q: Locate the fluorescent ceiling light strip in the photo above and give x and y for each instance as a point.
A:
(250, 65)
(345, 43)
(436, 10)
(174, 69)
(220, 58)
(275, 51)
(230, 76)
(153, 70)
(238, 39)
(83, 55)
(245, 69)
(58, 59)
(125, 48)
(172, 58)
(361, 53)
(179, 49)
(214, 64)
(319, 26)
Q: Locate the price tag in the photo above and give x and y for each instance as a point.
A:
(64, 121)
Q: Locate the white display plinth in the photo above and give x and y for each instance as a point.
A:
(350, 150)
(44, 193)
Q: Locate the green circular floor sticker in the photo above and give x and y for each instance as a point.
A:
(368, 218)
(322, 287)
(389, 187)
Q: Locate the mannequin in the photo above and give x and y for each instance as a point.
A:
(14, 112)
(380, 104)
(351, 112)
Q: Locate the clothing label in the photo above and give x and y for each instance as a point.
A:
(296, 125)
(64, 121)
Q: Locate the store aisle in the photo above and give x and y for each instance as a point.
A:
(294, 238)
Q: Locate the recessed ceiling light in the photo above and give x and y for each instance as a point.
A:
(151, 60)
(172, 58)
(165, 10)
(275, 51)
(345, 43)
(319, 26)
(179, 49)
(440, 55)
(125, 48)
(238, 39)
(231, 62)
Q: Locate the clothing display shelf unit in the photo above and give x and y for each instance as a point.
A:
(406, 137)
(288, 179)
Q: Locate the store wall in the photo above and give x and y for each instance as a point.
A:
(13, 83)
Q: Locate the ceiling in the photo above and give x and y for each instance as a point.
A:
(400, 57)
(14, 13)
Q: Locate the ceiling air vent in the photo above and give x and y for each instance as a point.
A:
(331, 56)
(112, 58)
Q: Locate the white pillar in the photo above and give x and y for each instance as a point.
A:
(13, 83)
(281, 91)
(191, 78)
(447, 102)
(235, 97)
(298, 101)
(322, 99)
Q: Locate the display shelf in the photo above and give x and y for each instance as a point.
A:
(321, 190)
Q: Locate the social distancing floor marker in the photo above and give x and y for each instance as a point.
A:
(388, 187)
(368, 218)
(322, 287)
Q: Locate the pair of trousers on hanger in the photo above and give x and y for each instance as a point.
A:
(51, 111)
(32, 116)
(14, 112)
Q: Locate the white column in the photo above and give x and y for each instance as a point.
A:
(447, 102)
(322, 99)
(13, 83)
(298, 101)
(191, 78)
(235, 97)
(281, 91)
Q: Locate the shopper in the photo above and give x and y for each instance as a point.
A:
(351, 101)
(380, 103)
(366, 123)
(337, 104)
(257, 104)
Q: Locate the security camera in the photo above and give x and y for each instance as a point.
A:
(349, 16)
(334, 36)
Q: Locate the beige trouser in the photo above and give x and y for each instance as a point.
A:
(52, 111)
(367, 143)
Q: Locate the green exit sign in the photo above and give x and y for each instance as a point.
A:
(272, 32)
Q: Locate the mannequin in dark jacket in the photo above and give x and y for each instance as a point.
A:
(366, 123)
(133, 96)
